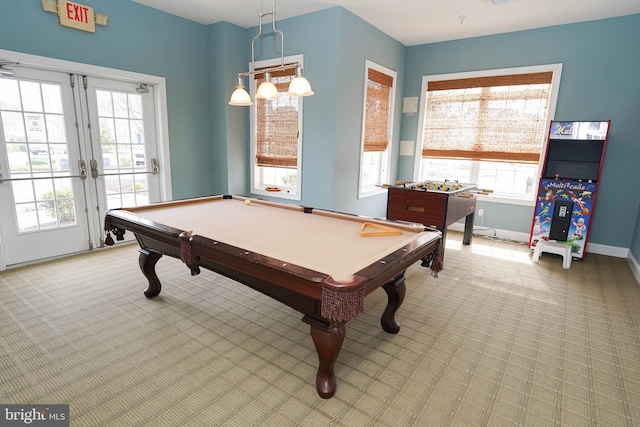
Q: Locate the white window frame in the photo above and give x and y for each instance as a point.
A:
(527, 200)
(385, 160)
(257, 185)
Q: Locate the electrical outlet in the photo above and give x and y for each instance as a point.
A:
(480, 213)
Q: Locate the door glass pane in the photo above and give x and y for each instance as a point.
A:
(22, 191)
(122, 131)
(139, 157)
(105, 105)
(13, 127)
(112, 184)
(31, 96)
(47, 214)
(59, 157)
(107, 133)
(128, 200)
(141, 183)
(18, 158)
(40, 161)
(43, 189)
(52, 98)
(135, 107)
(35, 125)
(35, 141)
(120, 105)
(10, 99)
(142, 198)
(109, 157)
(123, 147)
(27, 217)
(126, 183)
(124, 157)
(114, 201)
(55, 128)
(65, 205)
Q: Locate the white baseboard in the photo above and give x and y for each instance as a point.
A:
(594, 248)
(493, 232)
(614, 251)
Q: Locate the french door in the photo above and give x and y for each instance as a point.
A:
(71, 147)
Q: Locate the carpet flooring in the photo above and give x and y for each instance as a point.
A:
(496, 340)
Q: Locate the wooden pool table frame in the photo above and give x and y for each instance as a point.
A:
(297, 287)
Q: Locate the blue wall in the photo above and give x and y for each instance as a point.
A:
(210, 141)
(599, 82)
(359, 41)
(228, 125)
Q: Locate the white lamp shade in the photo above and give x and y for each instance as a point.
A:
(267, 90)
(240, 97)
(299, 86)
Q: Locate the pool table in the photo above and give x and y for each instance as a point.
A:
(318, 262)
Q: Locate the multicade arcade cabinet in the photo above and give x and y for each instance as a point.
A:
(569, 184)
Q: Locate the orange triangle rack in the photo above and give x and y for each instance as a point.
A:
(381, 230)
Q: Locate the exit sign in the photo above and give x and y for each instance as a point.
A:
(75, 15)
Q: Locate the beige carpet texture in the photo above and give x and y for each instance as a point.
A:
(496, 340)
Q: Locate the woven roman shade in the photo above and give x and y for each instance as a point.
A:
(277, 124)
(376, 132)
(499, 118)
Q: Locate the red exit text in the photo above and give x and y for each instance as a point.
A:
(77, 12)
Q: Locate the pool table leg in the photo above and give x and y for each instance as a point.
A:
(396, 290)
(328, 340)
(148, 260)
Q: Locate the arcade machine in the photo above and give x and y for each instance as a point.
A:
(568, 187)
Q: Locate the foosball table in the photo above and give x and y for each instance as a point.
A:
(434, 203)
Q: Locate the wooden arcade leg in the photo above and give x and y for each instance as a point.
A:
(148, 260)
(328, 340)
(396, 290)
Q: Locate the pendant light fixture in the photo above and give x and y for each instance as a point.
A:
(299, 86)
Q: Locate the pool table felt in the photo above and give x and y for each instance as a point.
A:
(315, 241)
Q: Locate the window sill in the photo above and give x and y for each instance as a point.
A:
(371, 193)
(283, 194)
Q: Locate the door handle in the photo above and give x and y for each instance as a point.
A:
(94, 168)
(83, 169)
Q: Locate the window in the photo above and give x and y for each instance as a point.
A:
(276, 143)
(488, 128)
(376, 128)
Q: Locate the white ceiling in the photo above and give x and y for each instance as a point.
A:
(412, 22)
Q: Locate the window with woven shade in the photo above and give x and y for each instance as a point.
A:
(379, 88)
(497, 118)
(488, 128)
(376, 133)
(277, 124)
(276, 139)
